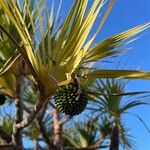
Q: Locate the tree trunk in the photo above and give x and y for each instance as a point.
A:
(114, 145)
(57, 129)
(17, 133)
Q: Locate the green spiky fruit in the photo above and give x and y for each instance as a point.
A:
(2, 99)
(69, 101)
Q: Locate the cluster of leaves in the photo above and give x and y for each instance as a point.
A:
(52, 58)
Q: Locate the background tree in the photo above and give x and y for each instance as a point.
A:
(110, 102)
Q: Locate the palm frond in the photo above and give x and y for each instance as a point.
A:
(120, 74)
(7, 123)
(111, 46)
(130, 105)
(7, 85)
(126, 139)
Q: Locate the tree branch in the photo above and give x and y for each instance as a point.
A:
(17, 133)
(34, 113)
(43, 130)
(41, 126)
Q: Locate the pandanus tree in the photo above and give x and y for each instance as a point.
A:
(90, 134)
(48, 53)
(110, 102)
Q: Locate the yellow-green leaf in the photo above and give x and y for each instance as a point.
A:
(120, 74)
(112, 45)
(7, 85)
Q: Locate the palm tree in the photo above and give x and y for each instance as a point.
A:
(32, 49)
(89, 134)
(110, 102)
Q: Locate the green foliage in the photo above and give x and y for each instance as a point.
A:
(32, 132)
(83, 133)
(109, 101)
(7, 124)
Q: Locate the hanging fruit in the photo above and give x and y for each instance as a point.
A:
(71, 99)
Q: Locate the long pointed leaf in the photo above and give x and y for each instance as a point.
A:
(111, 45)
(120, 74)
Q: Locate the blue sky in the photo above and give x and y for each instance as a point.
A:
(124, 15)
